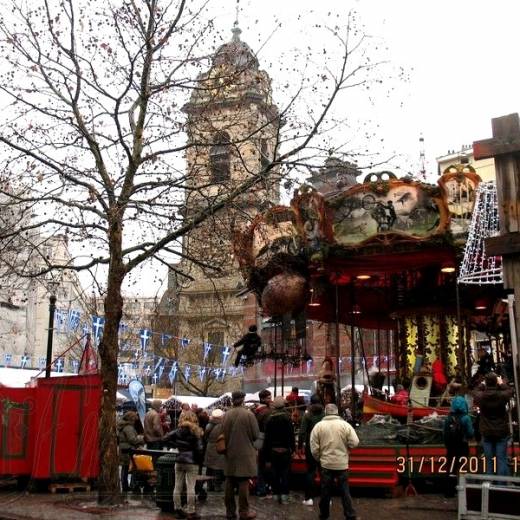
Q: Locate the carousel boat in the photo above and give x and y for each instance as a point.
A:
(373, 406)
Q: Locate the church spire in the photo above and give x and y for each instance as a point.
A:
(236, 29)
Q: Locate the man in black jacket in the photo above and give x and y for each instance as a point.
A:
(279, 445)
(494, 428)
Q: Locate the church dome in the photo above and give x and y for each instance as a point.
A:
(236, 53)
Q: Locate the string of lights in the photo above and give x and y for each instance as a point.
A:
(477, 267)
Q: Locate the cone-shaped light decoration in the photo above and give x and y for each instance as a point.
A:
(477, 267)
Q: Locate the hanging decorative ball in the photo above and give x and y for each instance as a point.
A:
(284, 293)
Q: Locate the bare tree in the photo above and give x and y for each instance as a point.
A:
(94, 132)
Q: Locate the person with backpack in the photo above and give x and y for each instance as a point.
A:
(214, 461)
(458, 430)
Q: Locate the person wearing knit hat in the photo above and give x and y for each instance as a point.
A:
(279, 445)
(279, 402)
(217, 414)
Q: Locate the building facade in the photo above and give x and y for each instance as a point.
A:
(24, 304)
(232, 127)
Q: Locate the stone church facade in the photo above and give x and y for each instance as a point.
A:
(232, 126)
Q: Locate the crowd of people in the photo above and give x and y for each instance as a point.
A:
(251, 448)
(245, 445)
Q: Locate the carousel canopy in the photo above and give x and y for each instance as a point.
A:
(363, 253)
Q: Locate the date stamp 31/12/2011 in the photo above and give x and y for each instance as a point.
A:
(447, 465)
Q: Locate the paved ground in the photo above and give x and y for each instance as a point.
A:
(45, 506)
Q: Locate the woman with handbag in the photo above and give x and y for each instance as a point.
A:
(187, 438)
(128, 439)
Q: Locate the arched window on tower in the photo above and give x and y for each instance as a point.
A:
(219, 157)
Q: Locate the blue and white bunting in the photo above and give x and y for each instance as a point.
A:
(98, 325)
(165, 338)
(7, 359)
(144, 336)
(24, 361)
(173, 372)
(187, 372)
(74, 319)
(207, 350)
(184, 342)
(202, 373)
(226, 352)
(59, 365)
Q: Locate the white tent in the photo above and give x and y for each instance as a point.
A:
(20, 377)
(201, 402)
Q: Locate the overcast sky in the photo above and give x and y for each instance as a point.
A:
(457, 55)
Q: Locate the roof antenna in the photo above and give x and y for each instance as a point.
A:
(236, 29)
(422, 159)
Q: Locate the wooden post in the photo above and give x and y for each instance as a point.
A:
(504, 147)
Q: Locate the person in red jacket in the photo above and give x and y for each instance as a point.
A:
(400, 397)
(439, 380)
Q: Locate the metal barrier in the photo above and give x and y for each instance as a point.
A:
(488, 497)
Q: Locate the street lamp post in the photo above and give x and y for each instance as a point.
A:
(50, 334)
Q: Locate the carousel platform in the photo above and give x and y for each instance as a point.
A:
(389, 467)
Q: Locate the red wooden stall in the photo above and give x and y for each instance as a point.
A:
(50, 431)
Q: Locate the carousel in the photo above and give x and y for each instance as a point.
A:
(385, 256)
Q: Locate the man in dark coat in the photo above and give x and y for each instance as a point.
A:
(262, 413)
(494, 428)
(250, 343)
(279, 445)
(311, 417)
(240, 430)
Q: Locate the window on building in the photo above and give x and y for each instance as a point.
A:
(219, 158)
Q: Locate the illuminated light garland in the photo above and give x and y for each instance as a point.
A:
(478, 268)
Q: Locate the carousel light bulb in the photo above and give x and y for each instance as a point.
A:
(363, 277)
(448, 268)
(356, 309)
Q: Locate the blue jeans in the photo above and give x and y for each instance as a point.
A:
(496, 456)
(327, 481)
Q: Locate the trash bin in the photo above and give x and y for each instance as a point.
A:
(165, 467)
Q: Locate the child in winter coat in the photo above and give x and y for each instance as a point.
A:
(458, 430)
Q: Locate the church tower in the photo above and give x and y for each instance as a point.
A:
(232, 129)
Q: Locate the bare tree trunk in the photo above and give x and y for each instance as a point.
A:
(108, 482)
